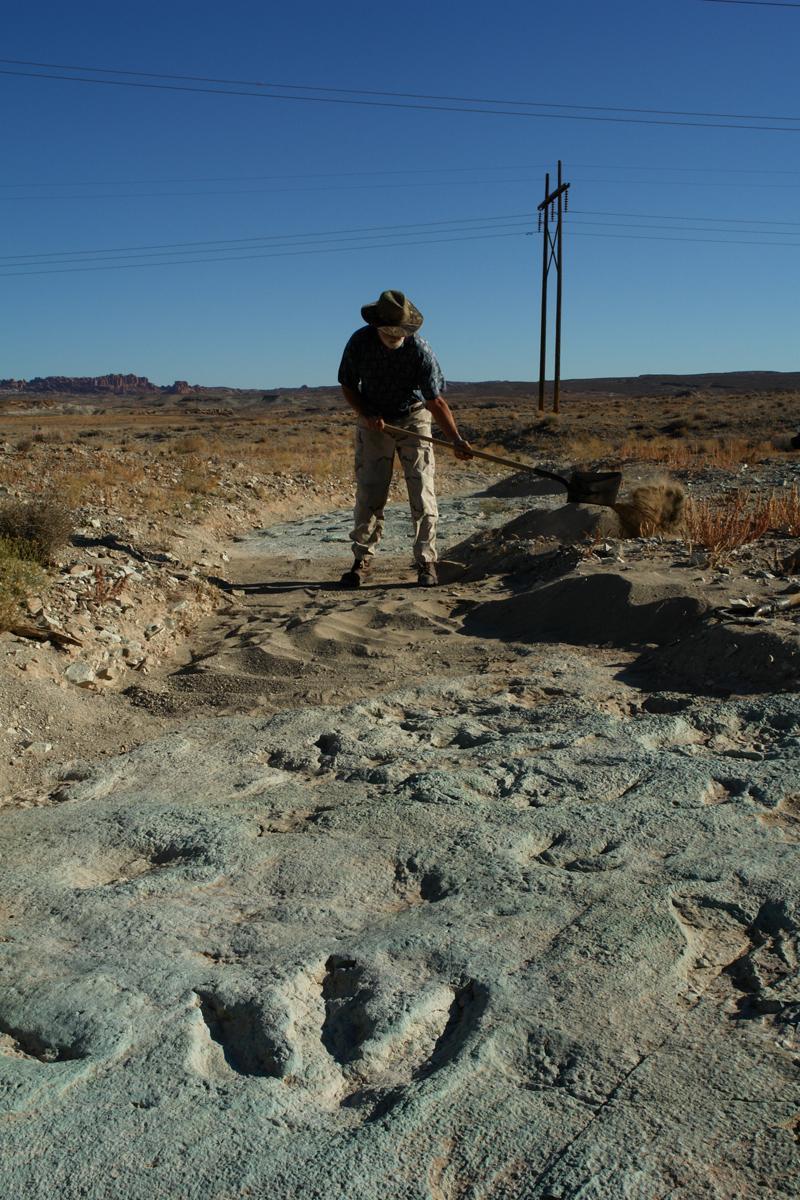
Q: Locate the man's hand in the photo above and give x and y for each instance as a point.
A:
(440, 411)
(355, 401)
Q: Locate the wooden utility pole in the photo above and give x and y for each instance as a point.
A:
(552, 209)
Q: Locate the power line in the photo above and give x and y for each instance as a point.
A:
(395, 171)
(695, 228)
(263, 178)
(261, 237)
(597, 212)
(187, 247)
(450, 184)
(222, 253)
(309, 87)
(496, 112)
(277, 191)
(275, 254)
(65, 270)
(652, 237)
(293, 242)
(757, 3)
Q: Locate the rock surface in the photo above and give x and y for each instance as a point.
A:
(525, 928)
(455, 941)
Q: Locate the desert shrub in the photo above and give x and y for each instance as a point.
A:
(36, 528)
(586, 451)
(547, 426)
(24, 445)
(199, 482)
(724, 527)
(656, 507)
(682, 453)
(190, 444)
(677, 428)
(19, 575)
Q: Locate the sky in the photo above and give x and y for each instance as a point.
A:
(176, 228)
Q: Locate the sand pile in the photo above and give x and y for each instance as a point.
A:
(524, 546)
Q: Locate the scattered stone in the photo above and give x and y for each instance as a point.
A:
(80, 673)
(37, 749)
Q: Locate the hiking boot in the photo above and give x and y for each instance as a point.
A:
(355, 576)
(426, 575)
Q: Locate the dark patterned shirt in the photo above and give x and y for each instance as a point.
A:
(390, 382)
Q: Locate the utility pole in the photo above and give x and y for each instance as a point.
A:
(552, 209)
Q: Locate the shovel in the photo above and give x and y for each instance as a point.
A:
(583, 487)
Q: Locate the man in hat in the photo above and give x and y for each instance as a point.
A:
(389, 374)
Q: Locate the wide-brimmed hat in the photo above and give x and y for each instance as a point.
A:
(394, 313)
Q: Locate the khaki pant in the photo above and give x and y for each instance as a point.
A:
(374, 466)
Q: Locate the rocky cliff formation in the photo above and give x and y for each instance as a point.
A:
(92, 385)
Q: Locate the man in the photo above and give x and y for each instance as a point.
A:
(389, 374)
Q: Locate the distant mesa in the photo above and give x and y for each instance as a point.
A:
(93, 385)
(140, 388)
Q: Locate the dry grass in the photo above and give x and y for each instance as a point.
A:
(672, 452)
(724, 527)
(191, 444)
(37, 528)
(19, 576)
(655, 507)
(165, 465)
(585, 451)
(676, 454)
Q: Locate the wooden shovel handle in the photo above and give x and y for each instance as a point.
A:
(495, 458)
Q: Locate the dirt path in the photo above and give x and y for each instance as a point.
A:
(399, 899)
(291, 636)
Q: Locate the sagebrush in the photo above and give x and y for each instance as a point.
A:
(37, 528)
(19, 576)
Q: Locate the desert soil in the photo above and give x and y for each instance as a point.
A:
(483, 891)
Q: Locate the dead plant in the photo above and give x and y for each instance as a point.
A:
(103, 588)
(656, 507)
(722, 527)
(42, 527)
(19, 576)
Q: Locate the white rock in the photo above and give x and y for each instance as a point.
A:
(80, 673)
(38, 749)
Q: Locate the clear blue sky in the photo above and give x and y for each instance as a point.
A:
(134, 170)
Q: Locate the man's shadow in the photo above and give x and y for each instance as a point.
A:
(277, 587)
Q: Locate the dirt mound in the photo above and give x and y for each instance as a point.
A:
(683, 644)
(735, 658)
(524, 546)
(599, 608)
(524, 483)
(655, 506)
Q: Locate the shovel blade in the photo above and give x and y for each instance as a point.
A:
(593, 487)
